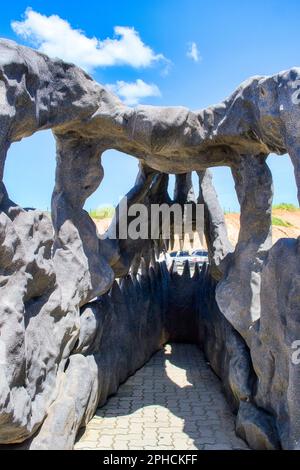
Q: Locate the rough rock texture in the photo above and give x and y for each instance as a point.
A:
(118, 333)
(215, 227)
(238, 294)
(256, 427)
(193, 316)
(273, 339)
(50, 272)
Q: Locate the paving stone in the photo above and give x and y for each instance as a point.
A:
(174, 402)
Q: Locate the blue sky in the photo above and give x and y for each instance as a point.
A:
(181, 52)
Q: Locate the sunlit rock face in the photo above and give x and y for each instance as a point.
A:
(68, 333)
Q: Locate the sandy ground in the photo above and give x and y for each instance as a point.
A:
(233, 227)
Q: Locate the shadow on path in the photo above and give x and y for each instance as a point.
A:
(174, 402)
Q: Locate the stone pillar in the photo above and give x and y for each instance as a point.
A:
(184, 191)
(214, 224)
(76, 246)
(238, 294)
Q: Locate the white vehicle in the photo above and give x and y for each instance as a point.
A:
(180, 257)
(200, 257)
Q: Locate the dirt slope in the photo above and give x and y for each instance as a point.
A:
(291, 217)
(233, 227)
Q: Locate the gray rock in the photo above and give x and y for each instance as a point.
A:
(215, 227)
(256, 427)
(273, 343)
(238, 293)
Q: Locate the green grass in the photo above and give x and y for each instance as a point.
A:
(102, 213)
(227, 212)
(285, 206)
(280, 223)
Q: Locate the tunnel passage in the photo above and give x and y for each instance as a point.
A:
(51, 271)
(174, 402)
(196, 322)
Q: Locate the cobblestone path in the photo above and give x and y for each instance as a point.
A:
(173, 402)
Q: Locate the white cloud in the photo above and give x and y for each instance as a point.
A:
(133, 92)
(55, 37)
(193, 52)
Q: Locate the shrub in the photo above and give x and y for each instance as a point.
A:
(286, 206)
(102, 213)
(279, 222)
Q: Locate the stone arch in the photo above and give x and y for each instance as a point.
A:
(49, 280)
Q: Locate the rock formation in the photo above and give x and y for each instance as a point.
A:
(69, 334)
